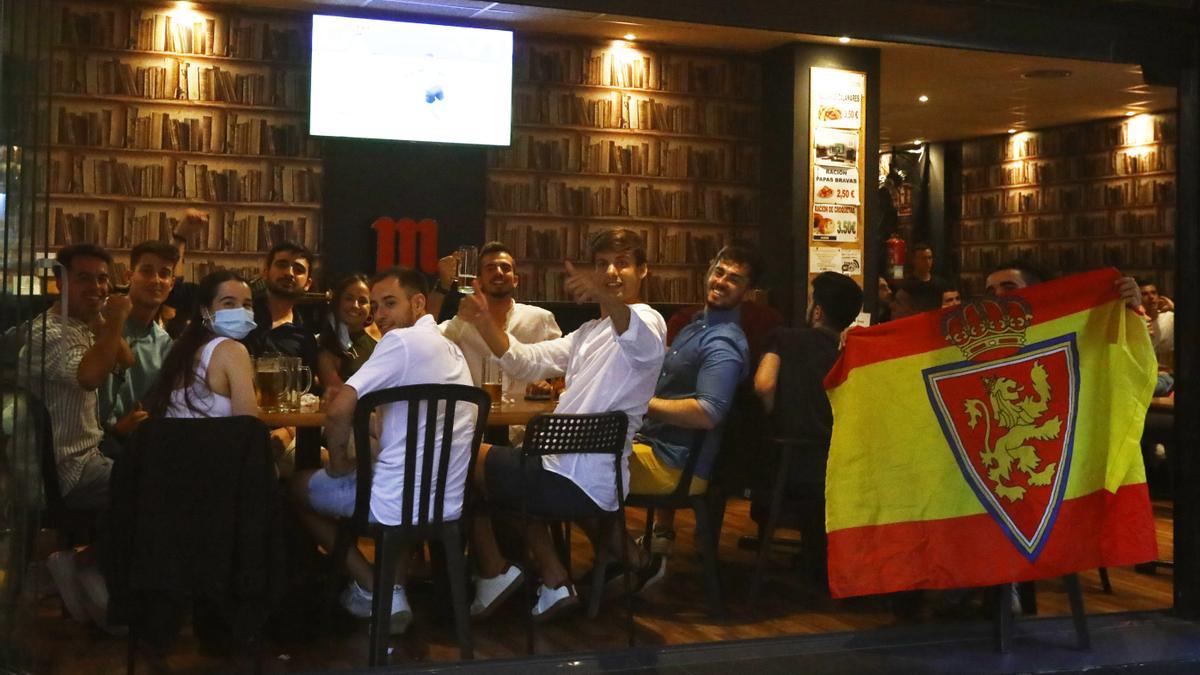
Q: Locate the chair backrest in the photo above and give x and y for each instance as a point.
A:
(437, 401)
(593, 433)
(43, 431)
(684, 487)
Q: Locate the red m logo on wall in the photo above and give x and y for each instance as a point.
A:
(406, 242)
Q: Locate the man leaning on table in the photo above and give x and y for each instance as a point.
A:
(412, 351)
(610, 363)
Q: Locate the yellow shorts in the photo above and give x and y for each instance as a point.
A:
(650, 476)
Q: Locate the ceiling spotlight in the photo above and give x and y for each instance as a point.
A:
(918, 142)
(630, 36)
(923, 98)
(844, 39)
(1129, 113)
(1012, 131)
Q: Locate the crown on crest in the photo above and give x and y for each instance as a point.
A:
(989, 323)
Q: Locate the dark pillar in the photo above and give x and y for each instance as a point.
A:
(1186, 462)
(785, 168)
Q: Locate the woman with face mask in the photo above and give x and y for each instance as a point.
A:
(208, 373)
(347, 335)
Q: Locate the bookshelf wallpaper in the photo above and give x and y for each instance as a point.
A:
(661, 142)
(158, 108)
(1073, 198)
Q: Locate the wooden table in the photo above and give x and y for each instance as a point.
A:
(308, 426)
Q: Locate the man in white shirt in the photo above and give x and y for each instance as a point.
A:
(611, 363)
(526, 323)
(1160, 319)
(412, 351)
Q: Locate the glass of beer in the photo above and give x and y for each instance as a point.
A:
(468, 268)
(271, 380)
(493, 383)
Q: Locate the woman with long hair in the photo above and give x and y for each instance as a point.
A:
(347, 335)
(208, 373)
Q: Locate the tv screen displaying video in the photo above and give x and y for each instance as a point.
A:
(410, 81)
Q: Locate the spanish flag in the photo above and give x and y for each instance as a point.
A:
(993, 442)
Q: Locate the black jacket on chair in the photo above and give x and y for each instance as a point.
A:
(195, 514)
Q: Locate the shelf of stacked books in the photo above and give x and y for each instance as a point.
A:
(616, 135)
(156, 109)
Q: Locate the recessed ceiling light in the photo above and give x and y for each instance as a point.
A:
(1129, 113)
(1046, 74)
(630, 36)
(1012, 131)
(844, 39)
(917, 142)
(923, 98)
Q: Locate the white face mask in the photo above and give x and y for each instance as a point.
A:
(343, 333)
(233, 323)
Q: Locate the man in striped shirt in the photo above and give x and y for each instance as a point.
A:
(70, 354)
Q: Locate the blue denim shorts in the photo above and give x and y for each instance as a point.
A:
(332, 496)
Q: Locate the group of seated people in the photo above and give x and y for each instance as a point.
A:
(104, 363)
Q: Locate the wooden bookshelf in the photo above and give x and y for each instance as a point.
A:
(1072, 198)
(156, 109)
(608, 135)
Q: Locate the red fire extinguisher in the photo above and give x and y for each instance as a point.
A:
(895, 255)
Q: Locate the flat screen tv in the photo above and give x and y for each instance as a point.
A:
(410, 81)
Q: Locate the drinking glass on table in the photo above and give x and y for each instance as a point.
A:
(271, 381)
(300, 381)
(468, 268)
(493, 382)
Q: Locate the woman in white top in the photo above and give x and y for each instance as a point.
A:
(208, 373)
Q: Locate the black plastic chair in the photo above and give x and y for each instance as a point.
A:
(707, 530)
(596, 433)
(74, 527)
(429, 400)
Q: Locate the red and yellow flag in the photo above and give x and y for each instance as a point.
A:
(993, 442)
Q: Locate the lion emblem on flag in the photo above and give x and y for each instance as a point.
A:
(1016, 415)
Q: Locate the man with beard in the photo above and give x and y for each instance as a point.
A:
(279, 329)
(151, 276)
(790, 382)
(704, 365)
(528, 324)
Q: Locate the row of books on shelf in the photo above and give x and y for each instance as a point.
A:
(623, 67)
(654, 157)
(555, 243)
(1094, 137)
(228, 232)
(1131, 193)
(179, 81)
(1065, 258)
(1116, 164)
(221, 132)
(619, 110)
(548, 284)
(176, 178)
(1093, 224)
(163, 31)
(554, 197)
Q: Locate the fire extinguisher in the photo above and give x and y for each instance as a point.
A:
(895, 255)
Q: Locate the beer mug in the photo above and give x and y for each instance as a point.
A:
(271, 380)
(299, 381)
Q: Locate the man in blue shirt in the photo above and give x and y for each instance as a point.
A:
(703, 367)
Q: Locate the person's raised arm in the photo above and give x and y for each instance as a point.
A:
(110, 349)
(447, 272)
(473, 309)
(592, 286)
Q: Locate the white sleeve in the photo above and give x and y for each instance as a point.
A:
(386, 367)
(645, 340)
(539, 360)
(452, 329)
(550, 327)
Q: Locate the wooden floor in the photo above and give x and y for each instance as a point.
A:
(670, 613)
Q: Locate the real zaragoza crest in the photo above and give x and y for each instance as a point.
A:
(1008, 413)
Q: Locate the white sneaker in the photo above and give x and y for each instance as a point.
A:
(553, 601)
(491, 593)
(95, 592)
(65, 573)
(357, 602)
